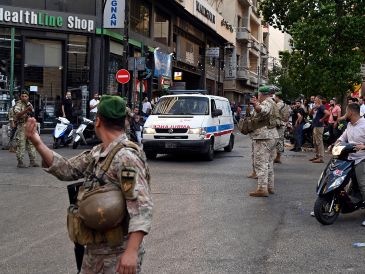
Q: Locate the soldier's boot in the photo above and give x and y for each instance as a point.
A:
(260, 192)
(277, 160)
(21, 164)
(252, 175)
(33, 164)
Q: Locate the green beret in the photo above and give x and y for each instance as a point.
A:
(279, 94)
(24, 92)
(112, 107)
(265, 90)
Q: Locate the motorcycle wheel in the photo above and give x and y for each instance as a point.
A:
(75, 145)
(56, 143)
(321, 211)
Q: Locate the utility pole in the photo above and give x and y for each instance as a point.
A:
(126, 91)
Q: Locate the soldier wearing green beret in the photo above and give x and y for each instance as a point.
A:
(116, 168)
(22, 110)
(264, 137)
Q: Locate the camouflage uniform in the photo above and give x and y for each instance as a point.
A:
(281, 130)
(265, 141)
(102, 258)
(22, 142)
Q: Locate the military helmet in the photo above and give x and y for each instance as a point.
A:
(103, 208)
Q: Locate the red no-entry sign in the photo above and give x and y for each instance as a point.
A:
(123, 76)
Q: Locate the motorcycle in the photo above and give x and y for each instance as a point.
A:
(83, 132)
(337, 188)
(63, 133)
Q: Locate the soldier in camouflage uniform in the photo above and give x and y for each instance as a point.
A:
(253, 174)
(284, 115)
(22, 109)
(128, 169)
(265, 138)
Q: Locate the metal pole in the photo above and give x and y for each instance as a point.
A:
(141, 83)
(12, 63)
(126, 89)
(102, 54)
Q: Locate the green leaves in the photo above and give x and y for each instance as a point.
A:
(328, 41)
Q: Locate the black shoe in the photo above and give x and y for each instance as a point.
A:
(297, 150)
(293, 149)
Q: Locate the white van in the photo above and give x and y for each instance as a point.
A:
(189, 122)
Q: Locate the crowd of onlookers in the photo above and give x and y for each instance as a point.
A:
(314, 122)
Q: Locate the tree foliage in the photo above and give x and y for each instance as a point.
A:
(328, 40)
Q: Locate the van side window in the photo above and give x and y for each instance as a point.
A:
(213, 106)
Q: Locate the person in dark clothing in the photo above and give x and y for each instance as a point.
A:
(67, 107)
(298, 123)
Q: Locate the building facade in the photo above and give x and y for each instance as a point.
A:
(251, 53)
(55, 46)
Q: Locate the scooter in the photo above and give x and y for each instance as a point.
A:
(63, 133)
(84, 132)
(337, 188)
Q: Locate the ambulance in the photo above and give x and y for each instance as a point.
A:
(189, 122)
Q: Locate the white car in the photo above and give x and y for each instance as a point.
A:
(189, 122)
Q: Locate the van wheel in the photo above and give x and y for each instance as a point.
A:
(151, 155)
(229, 148)
(209, 155)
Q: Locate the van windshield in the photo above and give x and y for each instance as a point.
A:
(182, 105)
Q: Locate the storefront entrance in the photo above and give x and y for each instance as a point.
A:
(43, 76)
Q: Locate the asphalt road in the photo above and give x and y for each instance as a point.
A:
(204, 220)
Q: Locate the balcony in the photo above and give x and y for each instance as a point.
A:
(243, 34)
(243, 73)
(254, 80)
(264, 50)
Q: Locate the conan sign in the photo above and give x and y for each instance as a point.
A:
(205, 12)
(44, 19)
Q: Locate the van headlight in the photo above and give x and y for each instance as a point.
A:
(149, 130)
(198, 131)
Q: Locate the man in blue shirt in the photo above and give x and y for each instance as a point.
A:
(320, 114)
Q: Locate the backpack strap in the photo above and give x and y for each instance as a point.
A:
(110, 157)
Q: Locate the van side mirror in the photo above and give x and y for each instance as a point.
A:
(217, 112)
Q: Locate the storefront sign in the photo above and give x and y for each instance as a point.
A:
(204, 12)
(230, 70)
(177, 76)
(114, 14)
(46, 19)
(212, 52)
(162, 64)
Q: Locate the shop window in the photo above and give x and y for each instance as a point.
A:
(161, 28)
(115, 64)
(5, 59)
(140, 14)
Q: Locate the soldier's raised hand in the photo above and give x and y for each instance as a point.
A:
(31, 131)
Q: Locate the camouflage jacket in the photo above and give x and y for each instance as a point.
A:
(127, 169)
(19, 107)
(264, 132)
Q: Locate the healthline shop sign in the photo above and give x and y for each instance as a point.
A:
(46, 20)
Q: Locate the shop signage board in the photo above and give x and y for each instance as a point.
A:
(212, 52)
(163, 64)
(123, 76)
(230, 70)
(114, 14)
(23, 17)
(136, 63)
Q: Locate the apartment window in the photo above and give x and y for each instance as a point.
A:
(140, 14)
(161, 27)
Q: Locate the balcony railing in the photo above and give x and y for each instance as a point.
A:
(243, 34)
(243, 73)
(254, 78)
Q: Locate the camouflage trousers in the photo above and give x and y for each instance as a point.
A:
(253, 155)
(104, 260)
(280, 141)
(23, 144)
(265, 153)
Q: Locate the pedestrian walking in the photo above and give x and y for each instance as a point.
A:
(94, 106)
(117, 168)
(298, 116)
(320, 114)
(265, 136)
(335, 113)
(22, 110)
(284, 111)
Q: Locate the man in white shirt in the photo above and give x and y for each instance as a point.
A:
(94, 106)
(355, 134)
(146, 107)
(362, 108)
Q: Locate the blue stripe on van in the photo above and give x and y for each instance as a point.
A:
(213, 129)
